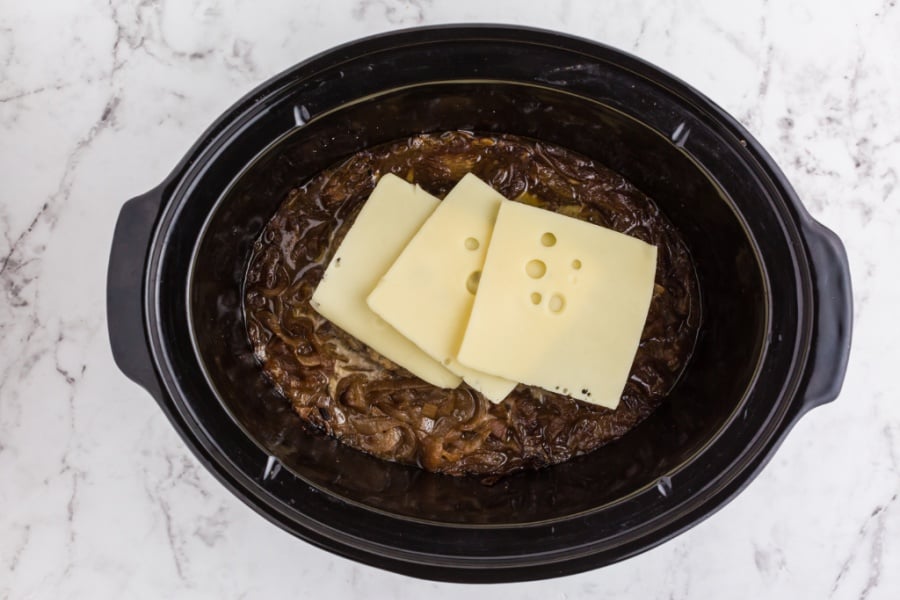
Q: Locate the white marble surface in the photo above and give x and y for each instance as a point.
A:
(98, 496)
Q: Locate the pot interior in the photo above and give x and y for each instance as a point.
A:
(710, 392)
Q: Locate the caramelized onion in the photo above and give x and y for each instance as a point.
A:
(345, 389)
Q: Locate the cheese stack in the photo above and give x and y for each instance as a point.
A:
(492, 291)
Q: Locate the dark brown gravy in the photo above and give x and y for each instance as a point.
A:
(348, 391)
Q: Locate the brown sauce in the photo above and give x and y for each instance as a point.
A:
(346, 390)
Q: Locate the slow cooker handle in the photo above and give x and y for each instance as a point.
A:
(124, 289)
(833, 316)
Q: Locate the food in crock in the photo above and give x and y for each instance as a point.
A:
(347, 390)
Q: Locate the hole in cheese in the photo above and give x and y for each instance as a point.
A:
(576, 264)
(548, 239)
(471, 244)
(535, 269)
(472, 282)
(535, 298)
(556, 303)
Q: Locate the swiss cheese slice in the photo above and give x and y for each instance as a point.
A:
(386, 223)
(561, 304)
(427, 293)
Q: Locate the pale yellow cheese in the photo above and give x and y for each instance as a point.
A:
(387, 221)
(427, 293)
(561, 304)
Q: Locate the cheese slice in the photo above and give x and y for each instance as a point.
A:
(561, 304)
(387, 221)
(427, 293)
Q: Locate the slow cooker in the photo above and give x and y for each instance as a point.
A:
(775, 288)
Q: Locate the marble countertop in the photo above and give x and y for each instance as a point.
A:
(99, 498)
